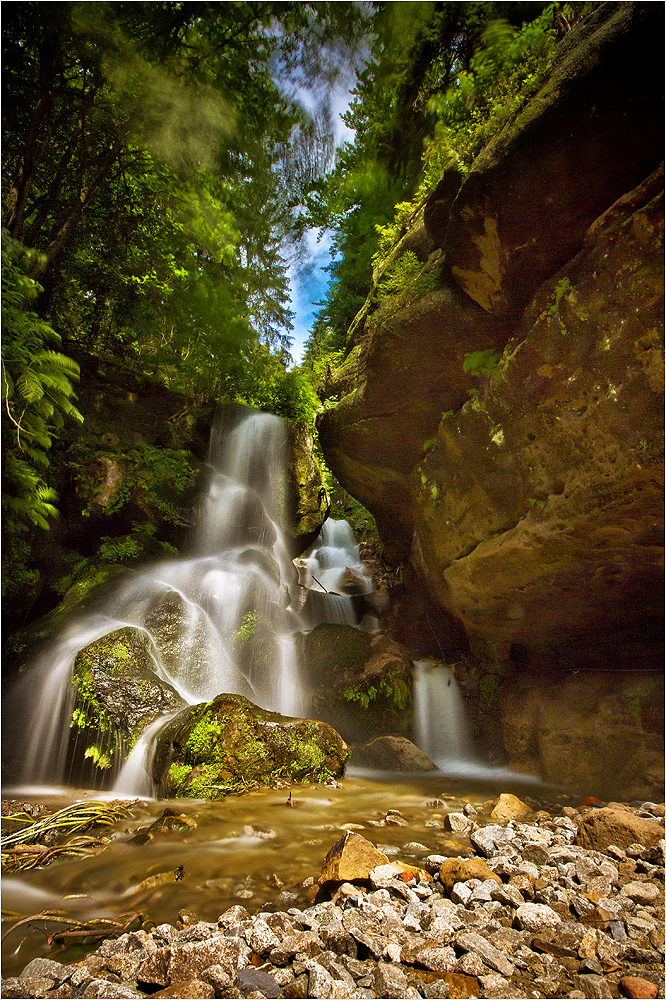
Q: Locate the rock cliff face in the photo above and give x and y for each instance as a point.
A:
(528, 496)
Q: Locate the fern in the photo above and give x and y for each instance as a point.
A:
(37, 392)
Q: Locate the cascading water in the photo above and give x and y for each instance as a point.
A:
(203, 614)
(440, 724)
(332, 573)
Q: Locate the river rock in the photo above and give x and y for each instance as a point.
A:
(490, 840)
(394, 753)
(352, 857)
(509, 807)
(404, 939)
(638, 988)
(229, 743)
(116, 683)
(602, 827)
(455, 870)
(536, 917)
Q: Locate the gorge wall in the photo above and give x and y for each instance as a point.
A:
(524, 495)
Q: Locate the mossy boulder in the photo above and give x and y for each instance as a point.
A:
(118, 693)
(229, 745)
(360, 683)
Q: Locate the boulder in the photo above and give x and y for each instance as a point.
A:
(229, 745)
(360, 683)
(351, 858)
(393, 753)
(614, 826)
(509, 807)
(637, 987)
(119, 695)
(455, 870)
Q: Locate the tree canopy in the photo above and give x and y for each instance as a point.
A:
(439, 81)
(159, 158)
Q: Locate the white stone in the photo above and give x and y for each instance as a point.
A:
(536, 916)
(437, 959)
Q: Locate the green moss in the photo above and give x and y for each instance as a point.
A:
(247, 628)
(202, 741)
(488, 689)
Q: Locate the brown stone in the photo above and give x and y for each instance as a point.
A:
(189, 959)
(192, 989)
(351, 858)
(635, 986)
(394, 753)
(460, 869)
(510, 807)
(610, 826)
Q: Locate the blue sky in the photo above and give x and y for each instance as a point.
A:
(307, 279)
(308, 285)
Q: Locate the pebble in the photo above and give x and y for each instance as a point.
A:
(534, 915)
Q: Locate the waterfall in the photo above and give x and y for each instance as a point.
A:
(440, 723)
(220, 620)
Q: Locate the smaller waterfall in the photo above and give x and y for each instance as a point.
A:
(440, 723)
(135, 777)
(332, 572)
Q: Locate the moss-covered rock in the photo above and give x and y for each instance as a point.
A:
(360, 683)
(118, 695)
(229, 745)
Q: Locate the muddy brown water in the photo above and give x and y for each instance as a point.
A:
(250, 849)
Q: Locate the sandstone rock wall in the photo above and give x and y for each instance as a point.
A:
(528, 499)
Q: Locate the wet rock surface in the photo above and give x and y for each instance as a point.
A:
(230, 744)
(361, 683)
(578, 922)
(118, 672)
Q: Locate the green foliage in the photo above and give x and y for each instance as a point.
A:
(439, 82)
(536, 503)
(393, 688)
(488, 689)
(390, 234)
(403, 279)
(562, 289)
(202, 740)
(100, 757)
(37, 393)
(345, 507)
(480, 363)
(247, 628)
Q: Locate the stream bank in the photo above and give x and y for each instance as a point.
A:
(501, 897)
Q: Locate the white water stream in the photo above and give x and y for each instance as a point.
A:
(199, 610)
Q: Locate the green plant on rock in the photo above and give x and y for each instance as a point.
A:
(562, 289)
(309, 758)
(480, 363)
(100, 757)
(394, 688)
(403, 279)
(203, 738)
(247, 629)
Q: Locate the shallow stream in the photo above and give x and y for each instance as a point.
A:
(257, 849)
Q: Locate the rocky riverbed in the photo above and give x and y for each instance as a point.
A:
(565, 903)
